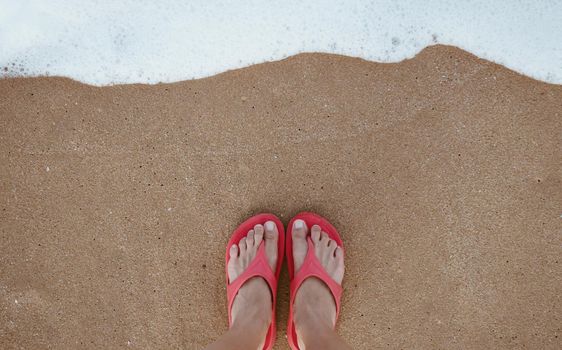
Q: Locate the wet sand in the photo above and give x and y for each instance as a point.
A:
(443, 174)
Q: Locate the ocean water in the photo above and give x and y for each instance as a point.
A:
(103, 42)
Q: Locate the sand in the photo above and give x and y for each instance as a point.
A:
(443, 174)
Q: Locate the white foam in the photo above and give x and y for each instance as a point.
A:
(137, 41)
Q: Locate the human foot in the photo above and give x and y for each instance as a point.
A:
(251, 309)
(314, 306)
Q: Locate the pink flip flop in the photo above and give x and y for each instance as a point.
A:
(258, 267)
(310, 268)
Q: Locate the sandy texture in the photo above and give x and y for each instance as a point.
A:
(443, 174)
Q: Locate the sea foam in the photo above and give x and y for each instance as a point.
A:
(135, 41)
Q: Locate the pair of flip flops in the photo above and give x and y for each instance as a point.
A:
(260, 267)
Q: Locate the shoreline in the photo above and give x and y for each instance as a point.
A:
(427, 51)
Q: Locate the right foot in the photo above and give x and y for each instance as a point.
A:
(314, 307)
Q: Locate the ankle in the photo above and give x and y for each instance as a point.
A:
(252, 307)
(251, 331)
(252, 320)
(308, 321)
(314, 305)
(312, 331)
(246, 335)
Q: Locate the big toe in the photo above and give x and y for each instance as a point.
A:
(300, 245)
(271, 236)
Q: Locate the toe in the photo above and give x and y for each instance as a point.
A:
(324, 238)
(270, 230)
(340, 266)
(339, 255)
(233, 252)
(299, 229)
(271, 238)
(242, 246)
(250, 239)
(315, 233)
(233, 263)
(258, 229)
(332, 245)
(300, 245)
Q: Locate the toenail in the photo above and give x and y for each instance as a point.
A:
(269, 225)
(298, 224)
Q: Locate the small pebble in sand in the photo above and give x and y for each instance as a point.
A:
(48, 169)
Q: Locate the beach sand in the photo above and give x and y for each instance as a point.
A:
(443, 174)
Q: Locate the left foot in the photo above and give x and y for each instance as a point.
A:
(251, 309)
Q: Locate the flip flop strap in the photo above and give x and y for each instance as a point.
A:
(258, 267)
(311, 267)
